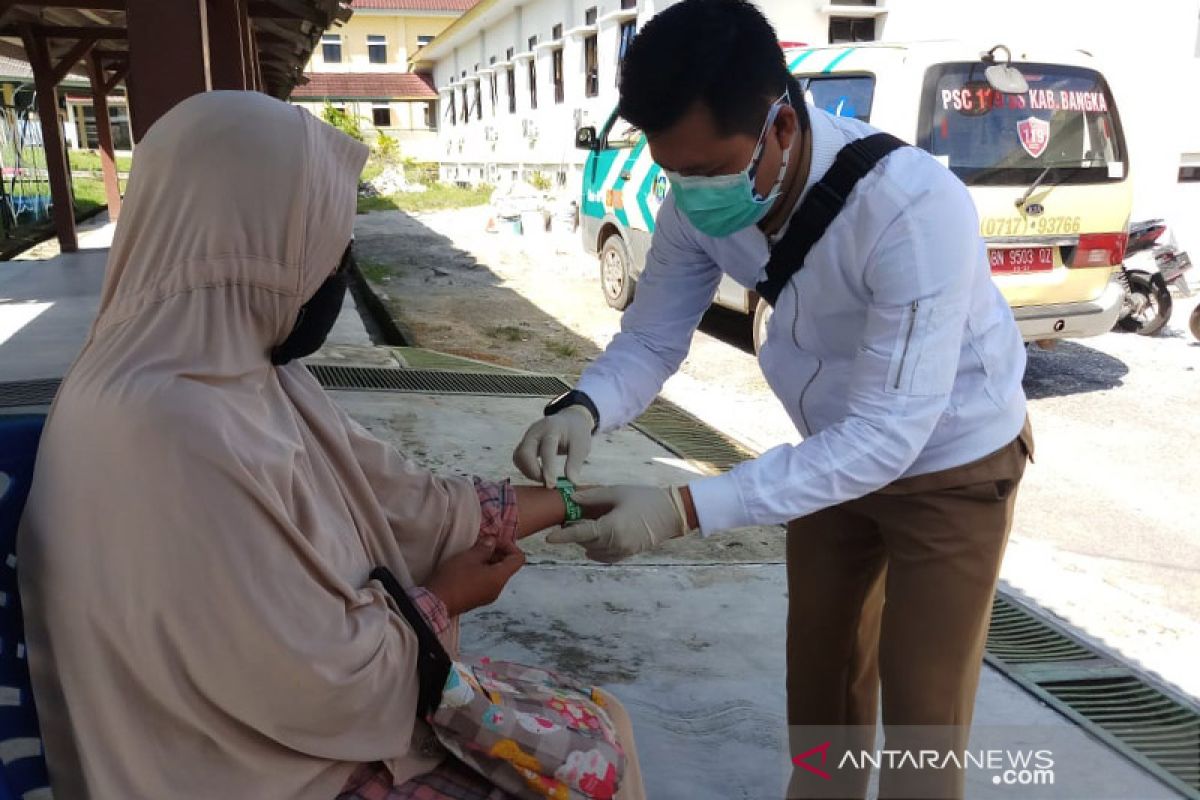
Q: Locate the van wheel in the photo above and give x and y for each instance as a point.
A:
(615, 278)
(762, 318)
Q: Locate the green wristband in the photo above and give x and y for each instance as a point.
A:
(567, 490)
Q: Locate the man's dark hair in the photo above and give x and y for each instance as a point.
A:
(721, 52)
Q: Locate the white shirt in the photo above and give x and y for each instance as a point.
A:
(892, 350)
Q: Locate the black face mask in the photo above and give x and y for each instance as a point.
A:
(316, 317)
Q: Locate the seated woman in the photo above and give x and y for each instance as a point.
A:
(196, 546)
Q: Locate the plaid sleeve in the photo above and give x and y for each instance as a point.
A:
(498, 502)
(431, 607)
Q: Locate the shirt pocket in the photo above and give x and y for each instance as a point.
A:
(925, 356)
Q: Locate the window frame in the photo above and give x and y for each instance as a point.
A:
(326, 44)
(378, 106)
(558, 75)
(591, 66)
(372, 46)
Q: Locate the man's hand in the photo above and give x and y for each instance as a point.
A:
(569, 433)
(475, 577)
(637, 518)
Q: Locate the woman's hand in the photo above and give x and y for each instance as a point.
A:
(475, 577)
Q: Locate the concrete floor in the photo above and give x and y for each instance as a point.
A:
(690, 640)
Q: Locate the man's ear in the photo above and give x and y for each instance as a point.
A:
(786, 126)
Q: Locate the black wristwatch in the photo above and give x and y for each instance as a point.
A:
(573, 398)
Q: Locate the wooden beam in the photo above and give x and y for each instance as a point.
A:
(90, 5)
(117, 76)
(100, 32)
(108, 164)
(294, 9)
(61, 195)
(72, 57)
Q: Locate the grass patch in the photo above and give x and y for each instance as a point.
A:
(374, 271)
(437, 197)
(89, 160)
(509, 333)
(89, 197)
(562, 349)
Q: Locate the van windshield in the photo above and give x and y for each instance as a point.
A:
(1066, 125)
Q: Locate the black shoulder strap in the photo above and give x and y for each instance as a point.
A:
(819, 208)
(433, 662)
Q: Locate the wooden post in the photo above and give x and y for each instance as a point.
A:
(108, 163)
(226, 47)
(168, 57)
(248, 55)
(52, 138)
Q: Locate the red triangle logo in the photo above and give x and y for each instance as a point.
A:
(802, 760)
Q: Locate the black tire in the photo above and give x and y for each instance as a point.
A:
(616, 280)
(1194, 322)
(1152, 306)
(762, 316)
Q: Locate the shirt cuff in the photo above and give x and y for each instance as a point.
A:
(498, 509)
(607, 401)
(431, 607)
(719, 504)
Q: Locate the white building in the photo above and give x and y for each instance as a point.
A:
(515, 78)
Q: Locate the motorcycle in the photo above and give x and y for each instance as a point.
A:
(1149, 270)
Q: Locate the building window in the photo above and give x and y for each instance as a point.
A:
(589, 16)
(591, 67)
(508, 54)
(628, 4)
(424, 39)
(478, 102)
(381, 115)
(495, 94)
(559, 88)
(1189, 174)
(533, 83)
(628, 31)
(532, 43)
(466, 107)
(331, 48)
(851, 29)
(377, 49)
(430, 115)
(512, 90)
(556, 32)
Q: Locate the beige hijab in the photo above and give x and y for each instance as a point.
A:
(195, 550)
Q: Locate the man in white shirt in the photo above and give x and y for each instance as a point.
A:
(892, 350)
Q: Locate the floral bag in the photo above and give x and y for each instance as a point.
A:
(531, 732)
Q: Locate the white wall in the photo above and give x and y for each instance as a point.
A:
(492, 149)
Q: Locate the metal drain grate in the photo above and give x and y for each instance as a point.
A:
(690, 437)
(1150, 725)
(1018, 638)
(15, 394)
(389, 379)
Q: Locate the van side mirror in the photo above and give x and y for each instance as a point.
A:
(585, 138)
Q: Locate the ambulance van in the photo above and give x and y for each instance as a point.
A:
(1045, 162)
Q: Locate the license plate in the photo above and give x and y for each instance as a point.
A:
(1021, 259)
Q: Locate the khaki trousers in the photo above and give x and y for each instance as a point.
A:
(891, 595)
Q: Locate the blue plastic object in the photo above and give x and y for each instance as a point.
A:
(22, 765)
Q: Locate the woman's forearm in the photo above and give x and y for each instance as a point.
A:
(538, 508)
